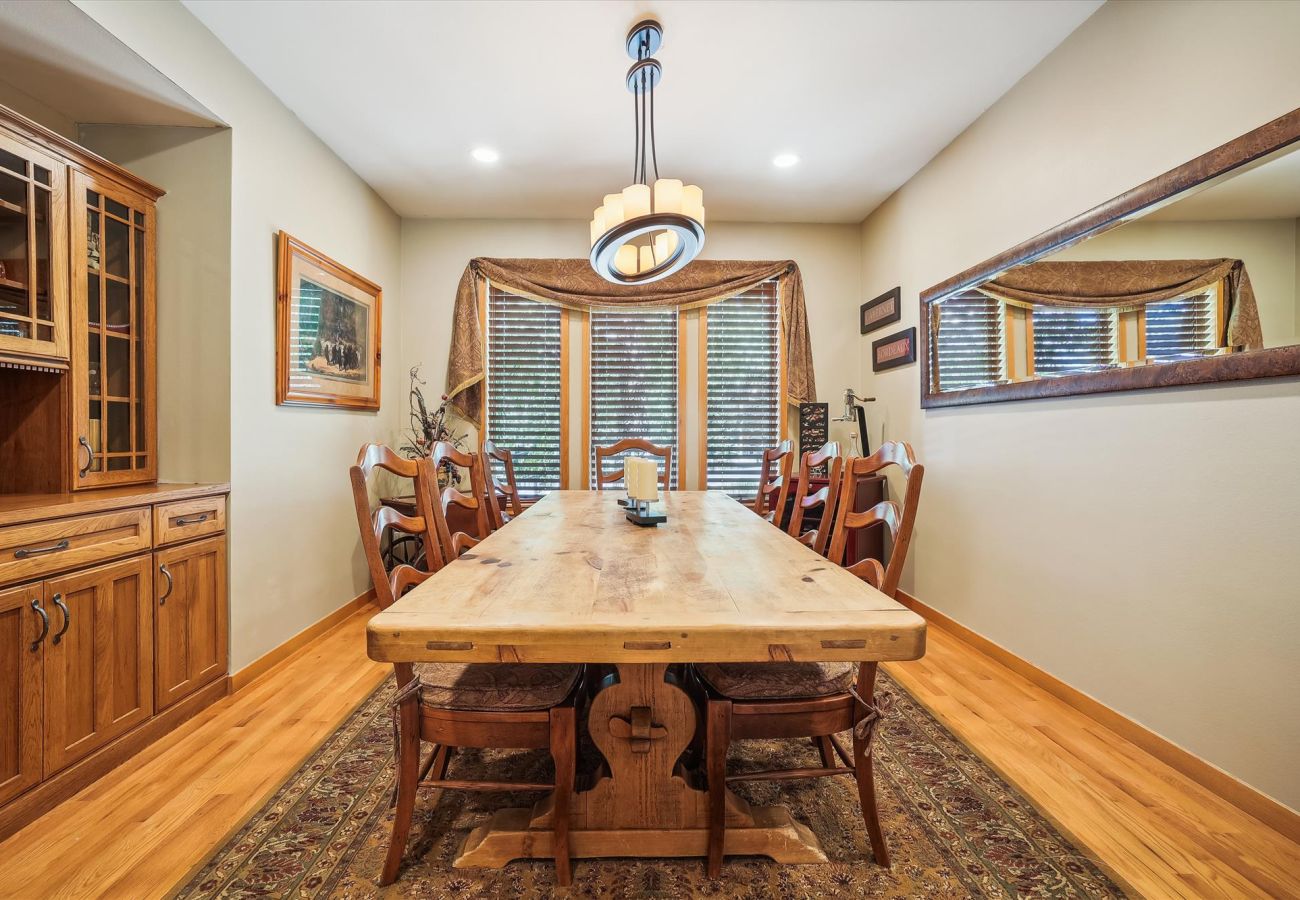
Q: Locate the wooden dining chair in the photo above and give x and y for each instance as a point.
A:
(454, 544)
(898, 518)
(603, 453)
(453, 705)
(499, 491)
(774, 482)
(823, 498)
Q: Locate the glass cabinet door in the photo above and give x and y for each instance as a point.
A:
(33, 262)
(113, 335)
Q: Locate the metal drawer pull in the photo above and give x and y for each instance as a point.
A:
(37, 551)
(45, 624)
(647, 645)
(201, 517)
(90, 457)
(67, 617)
(844, 645)
(449, 645)
(170, 584)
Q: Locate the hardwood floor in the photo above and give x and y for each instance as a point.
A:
(142, 828)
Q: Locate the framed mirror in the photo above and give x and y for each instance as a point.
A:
(1190, 278)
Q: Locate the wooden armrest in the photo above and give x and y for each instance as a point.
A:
(808, 538)
(870, 571)
(460, 542)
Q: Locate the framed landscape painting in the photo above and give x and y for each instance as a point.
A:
(327, 331)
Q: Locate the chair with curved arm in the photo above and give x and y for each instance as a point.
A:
(498, 491)
(774, 482)
(603, 453)
(455, 544)
(823, 498)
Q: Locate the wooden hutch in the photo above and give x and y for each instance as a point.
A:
(113, 608)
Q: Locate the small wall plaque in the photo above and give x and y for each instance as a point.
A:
(892, 351)
(884, 310)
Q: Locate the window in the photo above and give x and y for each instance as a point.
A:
(1069, 339)
(968, 341)
(1186, 326)
(633, 380)
(523, 389)
(744, 388)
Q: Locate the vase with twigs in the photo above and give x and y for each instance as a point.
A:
(427, 428)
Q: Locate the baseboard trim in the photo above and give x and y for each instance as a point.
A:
(274, 657)
(1275, 815)
(41, 798)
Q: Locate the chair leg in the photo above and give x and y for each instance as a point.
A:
(408, 778)
(716, 741)
(866, 779)
(564, 750)
(827, 751)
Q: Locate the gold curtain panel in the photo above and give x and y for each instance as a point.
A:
(1129, 284)
(574, 284)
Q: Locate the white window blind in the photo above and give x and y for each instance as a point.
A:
(744, 388)
(1186, 326)
(633, 380)
(523, 388)
(969, 343)
(1072, 339)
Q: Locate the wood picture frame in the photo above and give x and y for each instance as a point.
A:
(894, 350)
(881, 311)
(1273, 362)
(331, 356)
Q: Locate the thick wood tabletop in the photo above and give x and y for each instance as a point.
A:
(570, 580)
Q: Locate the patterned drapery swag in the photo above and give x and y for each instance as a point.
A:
(1129, 284)
(574, 284)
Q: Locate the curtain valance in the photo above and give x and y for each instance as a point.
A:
(574, 284)
(1129, 284)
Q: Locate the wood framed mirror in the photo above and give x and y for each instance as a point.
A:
(1190, 278)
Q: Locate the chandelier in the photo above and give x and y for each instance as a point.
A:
(646, 232)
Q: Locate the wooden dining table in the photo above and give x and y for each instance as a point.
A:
(571, 581)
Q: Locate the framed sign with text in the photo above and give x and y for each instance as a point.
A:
(894, 350)
(884, 310)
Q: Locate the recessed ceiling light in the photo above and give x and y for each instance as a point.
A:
(485, 154)
(785, 160)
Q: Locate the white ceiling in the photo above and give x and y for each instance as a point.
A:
(1268, 190)
(865, 93)
(58, 55)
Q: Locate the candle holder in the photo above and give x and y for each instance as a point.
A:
(639, 512)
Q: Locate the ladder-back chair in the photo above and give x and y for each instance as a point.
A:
(603, 453)
(475, 501)
(498, 491)
(774, 482)
(823, 498)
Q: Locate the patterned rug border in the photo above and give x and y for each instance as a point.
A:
(272, 793)
(358, 710)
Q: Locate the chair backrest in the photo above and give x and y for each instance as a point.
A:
(509, 490)
(389, 585)
(774, 482)
(899, 518)
(824, 497)
(603, 453)
(449, 496)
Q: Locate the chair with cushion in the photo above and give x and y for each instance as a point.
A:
(603, 453)
(898, 518)
(774, 482)
(450, 705)
(823, 498)
(810, 699)
(454, 544)
(499, 491)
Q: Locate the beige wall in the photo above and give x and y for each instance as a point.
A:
(27, 105)
(193, 287)
(434, 254)
(294, 552)
(1140, 546)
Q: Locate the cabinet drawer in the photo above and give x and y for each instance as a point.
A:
(39, 548)
(186, 519)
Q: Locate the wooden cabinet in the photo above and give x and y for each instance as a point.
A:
(108, 638)
(190, 618)
(98, 658)
(20, 689)
(33, 254)
(113, 371)
(77, 316)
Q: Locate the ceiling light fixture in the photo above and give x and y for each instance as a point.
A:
(485, 154)
(642, 234)
(785, 160)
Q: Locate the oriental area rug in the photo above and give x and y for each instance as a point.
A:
(955, 828)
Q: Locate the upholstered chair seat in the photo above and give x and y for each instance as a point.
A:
(778, 681)
(495, 687)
